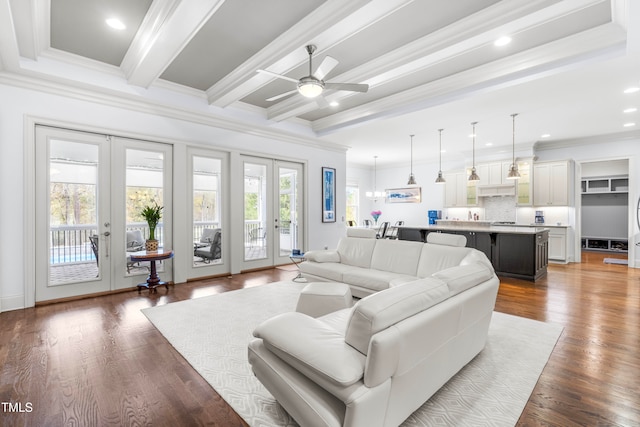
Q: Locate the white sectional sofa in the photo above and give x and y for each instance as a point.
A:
(369, 265)
(374, 364)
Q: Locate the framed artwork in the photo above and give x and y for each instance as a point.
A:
(328, 194)
(404, 195)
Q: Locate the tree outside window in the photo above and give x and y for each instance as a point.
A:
(353, 203)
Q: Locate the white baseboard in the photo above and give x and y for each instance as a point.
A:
(14, 302)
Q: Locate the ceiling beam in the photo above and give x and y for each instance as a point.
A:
(329, 24)
(457, 39)
(598, 42)
(166, 30)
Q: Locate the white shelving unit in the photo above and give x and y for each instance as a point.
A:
(604, 213)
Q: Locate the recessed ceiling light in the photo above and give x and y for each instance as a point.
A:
(545, 135)
(334, 103)
(489, 144)
(502, 41)
(116, 23)
(628, 125)
(630, 110)
(632, 89)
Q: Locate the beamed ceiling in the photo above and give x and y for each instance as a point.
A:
(429, 64)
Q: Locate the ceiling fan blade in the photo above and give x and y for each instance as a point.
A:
(282, 95)
(353, 87)
(280, 76)
(325, 67)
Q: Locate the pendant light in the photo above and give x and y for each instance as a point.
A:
(513, 170)
(375, 194)
(474, 176)
(412, 179)
(440, 179)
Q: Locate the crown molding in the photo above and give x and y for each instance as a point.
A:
(89, 93)
(633, 135)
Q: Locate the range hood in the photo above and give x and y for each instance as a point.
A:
(496, 190)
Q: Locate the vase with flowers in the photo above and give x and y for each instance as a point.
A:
(375, 215)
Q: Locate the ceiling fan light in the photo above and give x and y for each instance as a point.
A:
(310, 89)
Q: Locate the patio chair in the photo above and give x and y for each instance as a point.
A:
(257, 235)
(94, 247)
(214, 250)
(135, 243)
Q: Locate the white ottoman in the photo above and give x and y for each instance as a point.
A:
(320, 298)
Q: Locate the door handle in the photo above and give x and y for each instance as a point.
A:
(106, 243)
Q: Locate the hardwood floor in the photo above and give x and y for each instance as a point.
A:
(99, 361)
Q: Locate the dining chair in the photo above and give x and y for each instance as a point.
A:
(383, 230)
(366, 222)
(351, 223)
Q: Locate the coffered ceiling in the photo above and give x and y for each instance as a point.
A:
(429, 64)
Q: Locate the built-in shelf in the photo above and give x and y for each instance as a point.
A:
(614, 184)
(604, 244)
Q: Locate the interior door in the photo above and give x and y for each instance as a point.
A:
(273, 211)
(89, 189)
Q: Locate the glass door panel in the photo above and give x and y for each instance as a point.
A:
(207, 212)
(144, 186)
(288, 215)
(72, 214)
(256, 211)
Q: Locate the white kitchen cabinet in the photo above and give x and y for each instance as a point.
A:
(455, 192)
(558, 244)
(551, 184)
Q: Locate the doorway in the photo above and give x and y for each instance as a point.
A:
(605, 208)
(90, 189)
(273, 211)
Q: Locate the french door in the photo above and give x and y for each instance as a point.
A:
(89, 192)
(273, 211)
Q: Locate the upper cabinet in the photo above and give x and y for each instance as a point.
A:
(551, 184)
(523, 184)
(456, 192)
(599, 185)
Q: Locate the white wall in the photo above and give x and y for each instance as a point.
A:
(396, 177)
(19, 105)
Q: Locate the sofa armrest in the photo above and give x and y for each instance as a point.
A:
(312, 347)
(322, 256)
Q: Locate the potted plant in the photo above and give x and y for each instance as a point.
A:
(152, 215)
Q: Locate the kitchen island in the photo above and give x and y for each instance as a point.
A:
(521, 252)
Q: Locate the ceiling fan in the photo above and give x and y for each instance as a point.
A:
(313, 85)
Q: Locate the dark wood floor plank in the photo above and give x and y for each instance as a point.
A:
(99, 361)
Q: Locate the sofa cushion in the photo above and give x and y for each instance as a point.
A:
(332, 271)
(356, 251)
(363, 233)
(463, 277)
(370, 278)
(386, 308)
(312, 347)
(322, 256)
(435, 257)
(398, 256)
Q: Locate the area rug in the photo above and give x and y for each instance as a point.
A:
(212, 334)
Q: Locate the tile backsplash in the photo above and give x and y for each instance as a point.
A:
(499, 208)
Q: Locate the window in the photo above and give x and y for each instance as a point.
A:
(353, 200)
